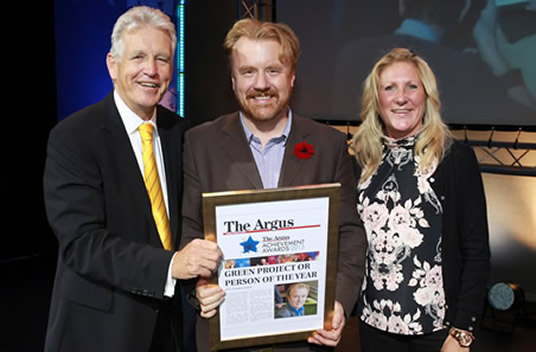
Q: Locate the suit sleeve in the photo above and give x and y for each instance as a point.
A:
(79, 213)
(192, 219)
(352, 238)
(473, 239)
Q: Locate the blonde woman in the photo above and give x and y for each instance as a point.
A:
(421, 199)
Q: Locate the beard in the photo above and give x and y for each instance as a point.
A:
(263, 112)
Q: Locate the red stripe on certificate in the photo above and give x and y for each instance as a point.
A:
(268, 230)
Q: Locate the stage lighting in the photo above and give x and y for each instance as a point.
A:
(503, 295)
(506, 303)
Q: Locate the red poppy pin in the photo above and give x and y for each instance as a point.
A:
(303, 150)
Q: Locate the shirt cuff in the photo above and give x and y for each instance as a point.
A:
(169, 289)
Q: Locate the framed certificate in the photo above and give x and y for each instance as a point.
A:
(279, 262)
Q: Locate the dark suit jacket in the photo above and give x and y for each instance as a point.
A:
(217, 157)
(111, 268)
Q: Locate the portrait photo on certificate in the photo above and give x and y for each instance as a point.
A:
(279, 262)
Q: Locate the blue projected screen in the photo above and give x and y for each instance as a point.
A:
(483, 55)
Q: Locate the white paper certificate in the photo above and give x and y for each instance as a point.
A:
(275, 263)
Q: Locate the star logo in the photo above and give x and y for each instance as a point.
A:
(250, 245)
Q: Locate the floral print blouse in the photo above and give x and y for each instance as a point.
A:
(402, 291)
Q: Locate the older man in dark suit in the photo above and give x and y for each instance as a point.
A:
(261, 147)
(112, 191)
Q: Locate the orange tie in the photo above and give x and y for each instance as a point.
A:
(152, 183)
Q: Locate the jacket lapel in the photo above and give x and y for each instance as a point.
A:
(292, 166)
(171, 148)
(236, 147)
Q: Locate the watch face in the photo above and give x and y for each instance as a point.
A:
(465, 340)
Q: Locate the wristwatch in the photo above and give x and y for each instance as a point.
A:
(464, 338)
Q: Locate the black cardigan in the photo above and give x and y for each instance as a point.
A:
(465, 239)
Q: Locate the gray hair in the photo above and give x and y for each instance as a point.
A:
(137, 17)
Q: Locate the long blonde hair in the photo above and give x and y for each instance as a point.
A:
(434, 137)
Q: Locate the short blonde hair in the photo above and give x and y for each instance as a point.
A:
(257, 30)
(297, 287)
(434, 138)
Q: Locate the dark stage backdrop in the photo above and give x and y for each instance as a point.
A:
(82, 32)
(342, 39)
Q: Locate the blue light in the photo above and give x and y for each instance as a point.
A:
(180, 58)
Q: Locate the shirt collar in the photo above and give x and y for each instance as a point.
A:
(298, 311)
(129, 118)
(392, 143)
(250, 135)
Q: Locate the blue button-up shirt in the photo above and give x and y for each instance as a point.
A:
(270, 159)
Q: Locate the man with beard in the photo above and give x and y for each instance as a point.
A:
(265, 145)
